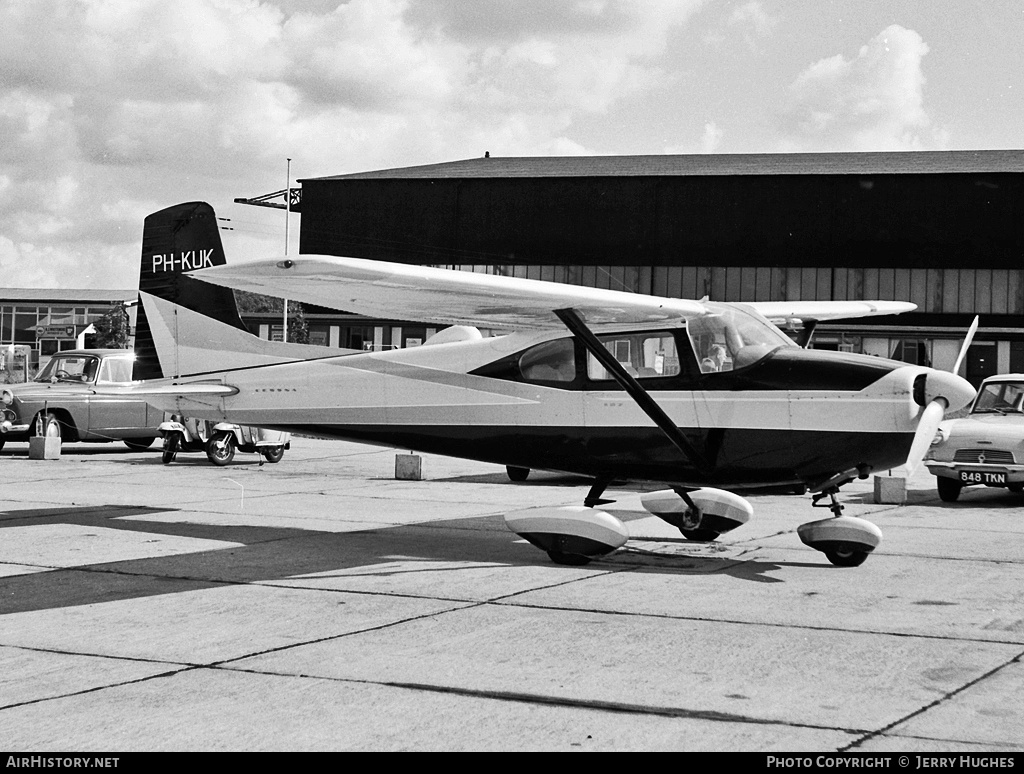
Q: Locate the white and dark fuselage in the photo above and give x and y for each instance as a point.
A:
(794, 416)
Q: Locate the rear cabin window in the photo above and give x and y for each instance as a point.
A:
(552, 361)
(642, 355)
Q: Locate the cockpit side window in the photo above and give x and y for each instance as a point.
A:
(552, 361)
(728, 337)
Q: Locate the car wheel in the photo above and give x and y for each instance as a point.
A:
(138, 444)
(274, 453)
(949, 489)
(221, 448)
(51, 426)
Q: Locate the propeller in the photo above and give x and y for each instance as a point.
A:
(941, 388)
(966, 345)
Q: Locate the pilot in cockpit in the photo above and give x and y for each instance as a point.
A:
(714, 360)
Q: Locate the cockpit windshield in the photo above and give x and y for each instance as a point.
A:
(730, 337)
(69, 368)
(999, 398)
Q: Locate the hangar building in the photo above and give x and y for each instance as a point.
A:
(944, 230)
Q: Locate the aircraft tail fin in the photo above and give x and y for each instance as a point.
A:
(185, 326)
(176, 240)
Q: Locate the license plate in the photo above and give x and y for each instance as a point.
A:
(982, 477)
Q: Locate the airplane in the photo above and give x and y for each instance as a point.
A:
(708, 399)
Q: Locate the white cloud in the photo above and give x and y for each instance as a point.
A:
(712, 137)
(872, 102)
(753, 18)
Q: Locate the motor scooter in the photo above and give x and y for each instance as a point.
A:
(220, 440)
(227, 437)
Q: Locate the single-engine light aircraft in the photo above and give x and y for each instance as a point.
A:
(707, 398)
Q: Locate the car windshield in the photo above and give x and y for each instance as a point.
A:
(999, 398)
(69, 368)
(729, 337)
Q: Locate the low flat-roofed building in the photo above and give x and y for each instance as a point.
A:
(41, 322)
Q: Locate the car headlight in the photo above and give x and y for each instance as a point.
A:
(941, 436)
(7, 397)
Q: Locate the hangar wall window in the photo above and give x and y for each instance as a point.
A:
(913, 351)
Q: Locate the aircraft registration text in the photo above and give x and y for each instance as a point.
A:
(185, 261)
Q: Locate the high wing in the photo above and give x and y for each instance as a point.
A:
(428, 294)
(781, 312)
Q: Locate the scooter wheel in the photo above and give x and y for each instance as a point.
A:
(170, 449)
(274, 453)
(221, 449)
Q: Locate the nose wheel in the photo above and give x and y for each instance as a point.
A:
(846, 541)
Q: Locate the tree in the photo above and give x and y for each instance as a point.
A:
(256, 303)
(112, 329)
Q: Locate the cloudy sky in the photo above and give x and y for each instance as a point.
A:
(112, 109)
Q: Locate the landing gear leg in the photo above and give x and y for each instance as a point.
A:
(836, 507)
(593, 497)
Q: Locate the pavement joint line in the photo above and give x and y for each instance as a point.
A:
(98, 688)
(596, 705)
(940, 700)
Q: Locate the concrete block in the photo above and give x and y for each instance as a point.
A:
(43, 448)
(890, 490)
(408, 467)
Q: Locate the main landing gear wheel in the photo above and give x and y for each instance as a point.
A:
(846, 557)
(573, 560)
(949, 489)
(516, 473)
(700, 535)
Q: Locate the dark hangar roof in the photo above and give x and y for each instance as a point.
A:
(905, 162)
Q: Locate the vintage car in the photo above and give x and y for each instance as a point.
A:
(985, 447)
(62, 401)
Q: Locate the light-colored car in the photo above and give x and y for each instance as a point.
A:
(63, 401)
(985, 447)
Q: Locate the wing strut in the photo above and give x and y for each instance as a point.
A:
(633, 388)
